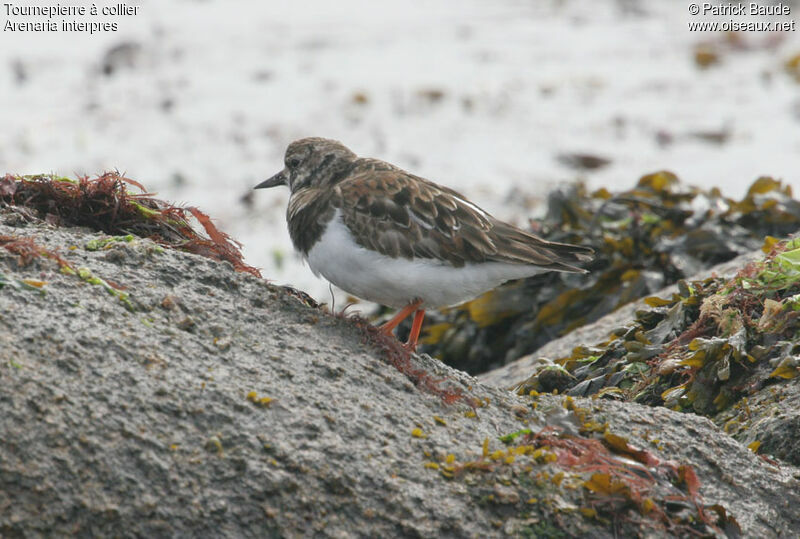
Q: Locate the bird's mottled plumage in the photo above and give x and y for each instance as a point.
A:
(421, 241)
(399, 214)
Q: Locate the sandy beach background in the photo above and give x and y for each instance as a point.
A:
(503, 100)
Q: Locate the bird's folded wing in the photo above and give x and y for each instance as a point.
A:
(400, 215)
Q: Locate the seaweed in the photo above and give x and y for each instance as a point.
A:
(400, 358)
(705, 349)
(645, 238)
(28, 250)
(576, 464)
(106, 205)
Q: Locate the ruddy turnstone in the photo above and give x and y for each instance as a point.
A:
(385, 235)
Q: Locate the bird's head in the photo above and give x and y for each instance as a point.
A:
(312, 162)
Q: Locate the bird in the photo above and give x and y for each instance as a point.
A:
(388, 236)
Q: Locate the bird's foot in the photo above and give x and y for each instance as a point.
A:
(389, 326)
(416, 327)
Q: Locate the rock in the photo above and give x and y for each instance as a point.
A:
(271, 417)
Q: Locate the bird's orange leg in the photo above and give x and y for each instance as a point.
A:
(419, 316)
(389, 326)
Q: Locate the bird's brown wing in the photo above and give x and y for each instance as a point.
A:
(400, 215)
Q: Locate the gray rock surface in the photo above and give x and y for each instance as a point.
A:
(144, 417)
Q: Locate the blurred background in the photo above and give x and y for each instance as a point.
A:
(504, 101)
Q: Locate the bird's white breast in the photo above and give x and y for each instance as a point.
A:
(396, 282)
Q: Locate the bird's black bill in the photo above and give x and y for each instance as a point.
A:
(277, 179)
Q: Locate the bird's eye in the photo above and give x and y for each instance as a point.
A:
(293, 162)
